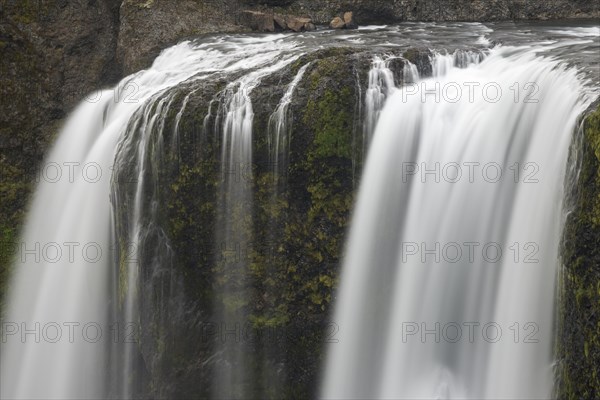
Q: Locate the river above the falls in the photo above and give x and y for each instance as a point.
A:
(574, 41)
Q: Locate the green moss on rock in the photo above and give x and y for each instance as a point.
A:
(331, 119)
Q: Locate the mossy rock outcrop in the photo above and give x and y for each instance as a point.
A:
(296, 221)
(579, 340)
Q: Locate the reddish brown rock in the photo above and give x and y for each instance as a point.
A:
(299, 24)
(337, 23)
(349, 21)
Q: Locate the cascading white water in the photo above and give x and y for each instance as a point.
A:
(47, 288)
(235, 226)
(424, 294)
(441, 63)
(149, 119)
(279, 126)
(410, 73)
(381, 85)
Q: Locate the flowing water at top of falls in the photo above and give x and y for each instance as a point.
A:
(74, 277)
(441, 63)
(448, 286)
(381, 84)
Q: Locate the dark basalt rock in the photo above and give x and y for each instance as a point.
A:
(349, 21)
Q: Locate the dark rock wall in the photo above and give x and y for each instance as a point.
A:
(148, 26)
(377, 11)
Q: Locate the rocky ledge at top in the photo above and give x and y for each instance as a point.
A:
(272, 22)
(148, 26)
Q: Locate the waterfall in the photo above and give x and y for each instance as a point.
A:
(143, 141)
(280, 128)
(63, 295)
(381, 84)
(47, 287)
(234, 231)
(448, 283)
(61, 317)
(442, 62)
(115, 243)
(410, 73)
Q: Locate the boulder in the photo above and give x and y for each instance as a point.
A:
(280, 23)
(257, 21)
(299, 24)
(337, 23)
(349, 21)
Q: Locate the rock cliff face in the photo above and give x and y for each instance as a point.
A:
(148, 26)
